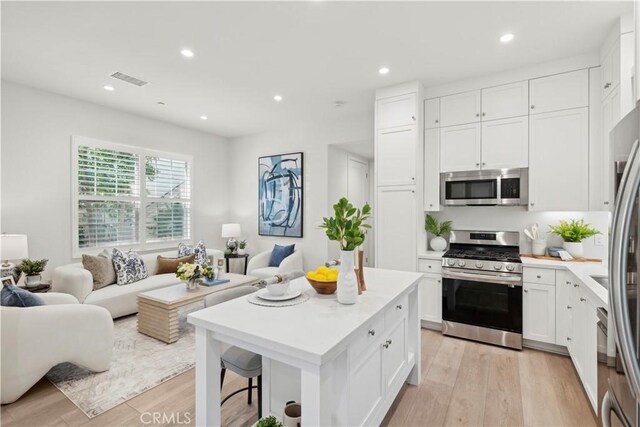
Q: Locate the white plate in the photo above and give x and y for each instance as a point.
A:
(290, 294)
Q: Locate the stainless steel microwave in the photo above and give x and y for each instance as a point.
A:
(500, 187)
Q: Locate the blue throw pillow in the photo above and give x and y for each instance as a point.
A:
(13, 296)
(279, 253)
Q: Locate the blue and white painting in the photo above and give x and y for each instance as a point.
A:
(280, 195)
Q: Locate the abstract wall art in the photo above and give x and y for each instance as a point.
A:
(280, 195)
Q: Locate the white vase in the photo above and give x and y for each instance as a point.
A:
(347, 281)
(438, 244)
(575, 249)
(241, 251)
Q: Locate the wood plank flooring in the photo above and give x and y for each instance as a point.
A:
(463, 384)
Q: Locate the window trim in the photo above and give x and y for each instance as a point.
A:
(142, 245)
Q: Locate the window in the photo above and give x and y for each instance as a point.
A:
(128, 196)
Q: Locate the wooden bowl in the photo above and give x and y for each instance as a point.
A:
(324, 288)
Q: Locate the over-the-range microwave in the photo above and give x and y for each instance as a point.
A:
(500, 187)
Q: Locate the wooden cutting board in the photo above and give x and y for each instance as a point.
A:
(550, 258)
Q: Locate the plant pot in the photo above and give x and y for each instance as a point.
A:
(33, 281)
(438, 244)
(347, 281)
(241, 251)
(538, 247)
(575, 249)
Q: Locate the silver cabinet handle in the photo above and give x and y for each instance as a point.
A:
(387, 344)
(582, 299)
(437, 121)
(575, 285)
(607, 86)
(484, 164)
(533, 106)
(413, 178)
(539, 277)
(372, 332)
(606, 203)
(477, 114)
(526, 290)
(399, 306)
(477, 164)
(531, 204)
(568, 282)
(569, 307)
(568, 338)
(413, 118)
(428, 266)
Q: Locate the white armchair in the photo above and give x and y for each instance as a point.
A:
(259, 264)
(35, 339)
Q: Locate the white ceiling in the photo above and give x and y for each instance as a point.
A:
(313, 53)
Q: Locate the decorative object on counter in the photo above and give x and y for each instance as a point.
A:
(538, 245)
(32, 270)
(348, 228)
(573, 232)
(553, 251)
(280, 195)
(231, 231)
(362, 286)
(270, 421)
(242, 247)
(292, 416)
(265, 300)
(324, 280)
(332, 263)
(438, 229)
(193, 274)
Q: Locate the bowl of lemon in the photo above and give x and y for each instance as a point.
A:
(324, 280)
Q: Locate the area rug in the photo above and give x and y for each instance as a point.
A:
(139, 363)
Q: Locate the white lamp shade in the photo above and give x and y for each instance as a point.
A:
(13, 246)
(231, 230)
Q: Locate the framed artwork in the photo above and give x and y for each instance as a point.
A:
(7, 280)
(280, 195)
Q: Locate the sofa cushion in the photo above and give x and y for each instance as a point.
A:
(13, 296)
(129, 267)
(198, 250)
(170, 265)
(264, 272)
(279, 253)
(101, 269)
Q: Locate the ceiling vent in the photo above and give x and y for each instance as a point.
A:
(126, 78)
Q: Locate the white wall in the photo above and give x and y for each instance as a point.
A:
(36, 165)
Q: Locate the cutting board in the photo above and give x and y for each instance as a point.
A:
(550, 258)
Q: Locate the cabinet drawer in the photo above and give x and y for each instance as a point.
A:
(396, 311)
(367, 337)
(544, 276)
(429, 266)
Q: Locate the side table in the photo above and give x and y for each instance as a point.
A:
(227, 257)
(42, 288)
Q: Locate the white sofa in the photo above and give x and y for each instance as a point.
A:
(35, 339)
(119, 300)
(259, 265)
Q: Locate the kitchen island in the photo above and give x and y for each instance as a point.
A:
(344, 363)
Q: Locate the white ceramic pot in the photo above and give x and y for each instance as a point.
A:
(241, 251)
(33, 281)
(347, 282)
(538, 247)
(575, 249)
(438, 244)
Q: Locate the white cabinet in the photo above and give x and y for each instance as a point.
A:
(559, 160)
(610, 109)
(460, 108)
(432, 113)
(396, 111)
(505, 143)
(432, 170)
(366, 391)
(539, 312)
(396, 228)
(564, 290)
(394, 353)
(396, 156)
(431, 298)
(559, 92)
(610, 67)
(460, 148)
(511, 100)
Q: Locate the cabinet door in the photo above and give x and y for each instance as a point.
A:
(559, 92)
(460, 108)
(394, 354)
(505, 143)
(396, 111)
(431, 298)
(396, 156)
(432, 170)
(505, 101)
(611, 69)
(365, 385)
(539, 312)
(460, 148)
(396, 228)
(589, 351)
(432, 113)
(559, 161)
(610, 108)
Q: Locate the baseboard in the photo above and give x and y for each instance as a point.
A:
(543, 346)
(431, 325)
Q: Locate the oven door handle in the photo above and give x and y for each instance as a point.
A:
(510, 281)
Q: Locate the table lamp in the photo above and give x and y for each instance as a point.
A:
(231, 231)
(12, 247)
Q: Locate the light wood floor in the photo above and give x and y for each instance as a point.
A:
(463, 383)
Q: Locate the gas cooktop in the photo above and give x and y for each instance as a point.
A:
(495, 251)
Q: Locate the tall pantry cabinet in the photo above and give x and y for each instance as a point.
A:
(399, 131)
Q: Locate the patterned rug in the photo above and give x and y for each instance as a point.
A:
(139, 363)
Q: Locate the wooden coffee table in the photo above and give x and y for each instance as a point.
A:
(158, 309)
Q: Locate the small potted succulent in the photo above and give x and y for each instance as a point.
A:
(32, 269)
(438, 229)
(242, 246)
(573, 232)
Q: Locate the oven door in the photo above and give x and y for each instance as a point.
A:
(486, 300)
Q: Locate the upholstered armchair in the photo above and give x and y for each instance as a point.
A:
(35, 339)
(259, 265)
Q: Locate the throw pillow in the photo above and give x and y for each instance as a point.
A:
(129, 267)
(101, 269)
(13, 296)
(279, 253)
(170, 265)
(198, 250)
(111, 273)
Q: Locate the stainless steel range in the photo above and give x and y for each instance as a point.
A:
(482, 287)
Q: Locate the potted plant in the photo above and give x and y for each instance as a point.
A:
(347, 227)
(573, 232)
(32, 269)
(193, 273)
(270, 421)
(438, 229)
(242, 245)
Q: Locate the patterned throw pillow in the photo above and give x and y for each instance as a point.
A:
(129, 267)
(199, 250)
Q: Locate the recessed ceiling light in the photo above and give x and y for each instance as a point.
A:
(277, 98)
(506, 38)
(383, 70)
(187, 53)
(204, 117)
(108, 88)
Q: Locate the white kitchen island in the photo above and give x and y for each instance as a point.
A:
(344, 363)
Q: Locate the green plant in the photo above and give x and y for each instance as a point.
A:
(31, 267)
(436, 228)
(348, 225)
(574, 230)
(269, 422)
(242, 244)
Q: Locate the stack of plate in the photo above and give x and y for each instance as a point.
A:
(290, 294)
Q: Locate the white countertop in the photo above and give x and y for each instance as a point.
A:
(430, 255)
(310, 330)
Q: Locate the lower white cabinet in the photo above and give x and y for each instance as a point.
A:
(396, 228)
(539, 312)
(366, 391)
(431, 298)
(394, 353)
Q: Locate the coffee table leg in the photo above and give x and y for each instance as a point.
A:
(157, 322)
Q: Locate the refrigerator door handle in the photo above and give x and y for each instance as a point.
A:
(609, 405)
(618, 268)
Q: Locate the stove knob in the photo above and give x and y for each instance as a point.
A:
(451, 262)
(510, 267)
(461, 262)
(479, 264)
(497, 266)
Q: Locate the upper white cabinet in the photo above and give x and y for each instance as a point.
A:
(460, 109)
(396, 111)
(432, 170)
(432, 113)
(396, 232)
(559, 160)
(460, 148)
(505, 101)
(396, 156)
(610, 67)
(559, 92)
(505, 143)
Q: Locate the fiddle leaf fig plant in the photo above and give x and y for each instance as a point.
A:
(436, 228)
(348, 225)
(573, 231)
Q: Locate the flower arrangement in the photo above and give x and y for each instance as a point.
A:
(348, 226)
(192, 273)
